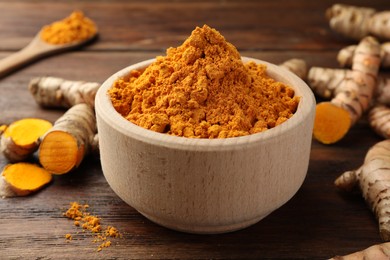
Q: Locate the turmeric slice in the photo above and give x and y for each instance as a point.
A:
(2, 129)
(25, 178)
(63, 147)
(331, 123)
(21, 138)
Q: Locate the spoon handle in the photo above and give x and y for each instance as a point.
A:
(17, 60)
(35, 50)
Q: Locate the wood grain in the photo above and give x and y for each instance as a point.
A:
(317, 223)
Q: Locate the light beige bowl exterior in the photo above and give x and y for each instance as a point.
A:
(205, 185)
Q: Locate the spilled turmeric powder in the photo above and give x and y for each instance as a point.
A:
(74, 28)
(68, 236)
(82, 218)
(202, 89)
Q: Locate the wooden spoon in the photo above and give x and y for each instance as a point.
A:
(35, 50)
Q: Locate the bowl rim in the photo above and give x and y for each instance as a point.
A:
(306, 107)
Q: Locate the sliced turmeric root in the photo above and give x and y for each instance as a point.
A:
(21, 138)
(25, 178)
(352, 92)
(63, 147)
(2, 129)
(60, 152)
(331, 123)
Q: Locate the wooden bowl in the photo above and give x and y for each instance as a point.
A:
(205, 185)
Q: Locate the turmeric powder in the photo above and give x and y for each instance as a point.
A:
(78, 212)
(202, 89)
(74, 28)
(68, 236)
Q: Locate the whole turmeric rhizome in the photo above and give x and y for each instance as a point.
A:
(202, 89)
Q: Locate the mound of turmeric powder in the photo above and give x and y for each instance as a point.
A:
(74, 28)
(202, 89)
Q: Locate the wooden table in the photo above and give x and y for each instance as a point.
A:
(317, 223)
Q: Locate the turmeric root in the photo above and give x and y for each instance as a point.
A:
(350, 21)
(358, 22)
(5, 189)
(296, 66)
(327, 83)
(21, 138)
(354, 95)
(373, 179)
(378, 252)
(382, 93)
(24, 178)
(2, 129)
(379, 120)
(345, 55)
(95, 144)
(58, 92)
(65, 145)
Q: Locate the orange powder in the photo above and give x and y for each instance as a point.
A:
(74, 28)
(81, 217)
(202, 89)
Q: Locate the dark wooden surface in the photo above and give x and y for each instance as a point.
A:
(317, 223)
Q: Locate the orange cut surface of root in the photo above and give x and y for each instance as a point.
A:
(331, 123)
(25, 178)
(27, 131)
(2, 129)
(59, 152)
